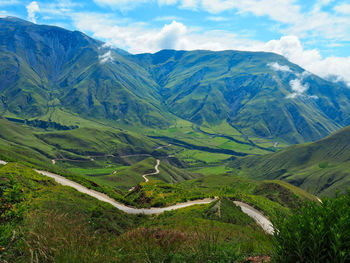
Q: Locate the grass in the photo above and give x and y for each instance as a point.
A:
(195, 156)
(188, 133)
(211, 170)
(57, 223)
(320, 168)
(54, 223)
(127, 176)
(75, 149)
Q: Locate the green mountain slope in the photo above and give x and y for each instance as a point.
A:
(76, 144)
(243, 89)
(44, 67)
(321, 167)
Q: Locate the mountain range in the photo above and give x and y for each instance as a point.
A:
(46, 69)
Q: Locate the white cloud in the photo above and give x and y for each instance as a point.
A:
(134, 37)
(296, 85)
(127, 4)
(277, 67)
(290, 16)
(298, 88)
(121, 4)
(288, 13)
(191, 4)
(58, 9)
(106, 57)
(217, 18)
(32, 8)
(311, 60)
(167, 2)
(139, 38)
(166, 18)
(283, 11)
(9, 2)
(343, 9)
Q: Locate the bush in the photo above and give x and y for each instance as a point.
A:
(11, 213)
(317, 232)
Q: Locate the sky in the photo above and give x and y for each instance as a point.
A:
(314, 34)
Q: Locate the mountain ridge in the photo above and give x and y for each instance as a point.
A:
(47, 68)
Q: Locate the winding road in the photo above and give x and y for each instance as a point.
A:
(156, 171)
(130, 210)
(259, 218)
(247, 209)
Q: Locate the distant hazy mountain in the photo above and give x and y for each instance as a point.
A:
(45, 66)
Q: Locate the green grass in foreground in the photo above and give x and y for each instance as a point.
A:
(41, 221)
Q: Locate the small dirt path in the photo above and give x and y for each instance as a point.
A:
(156, 171)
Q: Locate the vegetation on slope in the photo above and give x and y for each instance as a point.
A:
(105, 156)
(267, 196)
(49, 71)
(47, 67)
(43, 221)
(320, 168)
(240, 88)
(315, 232)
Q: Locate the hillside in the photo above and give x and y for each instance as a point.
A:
(320, 168)
(53, 223)
(46, 67)
(250, 91)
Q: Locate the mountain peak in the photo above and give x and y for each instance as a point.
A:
(15, 20)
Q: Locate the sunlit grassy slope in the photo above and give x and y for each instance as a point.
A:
(53, 223)
(320, 168)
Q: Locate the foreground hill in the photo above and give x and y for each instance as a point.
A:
(55, 75)
(43, 221)
(320, 168)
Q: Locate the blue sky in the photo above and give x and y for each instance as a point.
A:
(312, 33)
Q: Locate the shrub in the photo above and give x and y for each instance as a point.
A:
(317, 232)
(11, 213)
